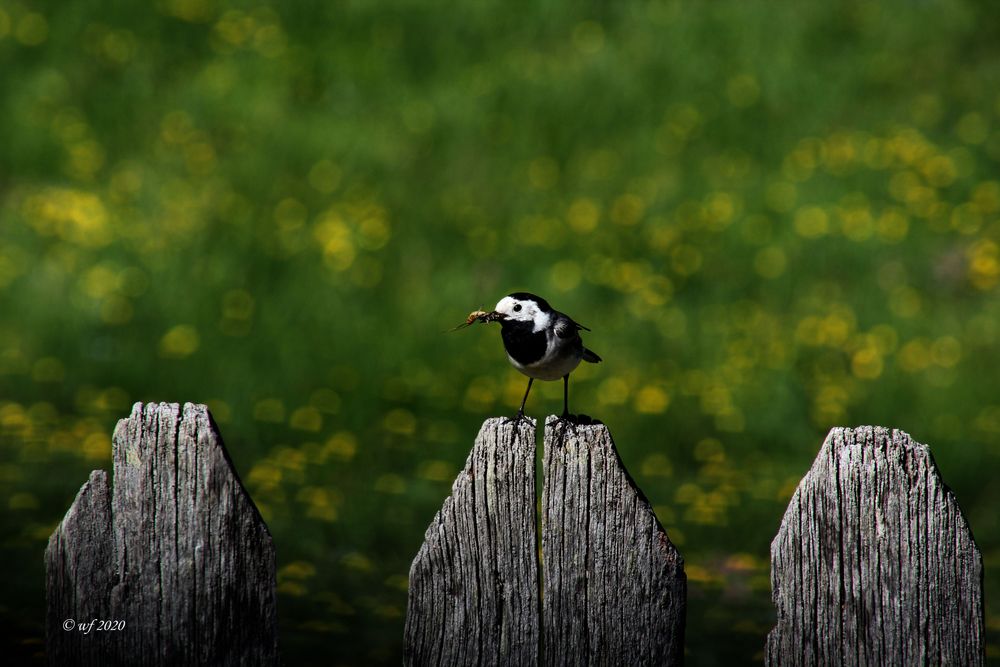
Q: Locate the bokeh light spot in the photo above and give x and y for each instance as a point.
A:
(22, 501)
(685, 259)
(32, 29)
(866, 363)
(565, 275)
(400, 421)
(972, 128)
(588, 37)
(179, 342)
(781, 196)
(656, 465)
(357, 561)
(946, 351)
(342, 445)
(543, 173)
(269, 40)
(742, 90)
(892, 225)
(627, 209)
(324, 176)
(770, 262)
(583, 215)
(373, 233)
(271, 410)
(391, 484)
(651, 399)
(48, 369)
(436, 471)
(811, 222)
(306, 418)
(984, 264)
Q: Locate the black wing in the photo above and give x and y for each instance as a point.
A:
(565, 327)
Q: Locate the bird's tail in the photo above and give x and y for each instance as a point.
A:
(591, 356)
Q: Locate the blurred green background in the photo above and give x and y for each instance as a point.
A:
(776, 218)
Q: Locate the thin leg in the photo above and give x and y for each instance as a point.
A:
(520, 413)
(565, 413)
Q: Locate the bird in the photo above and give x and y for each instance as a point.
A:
(540, 342)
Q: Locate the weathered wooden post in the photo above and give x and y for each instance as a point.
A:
(474, 583)
(614, 584)
(874, 563)
(615, 589)
(174, 566)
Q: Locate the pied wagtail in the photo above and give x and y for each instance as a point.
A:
(541, 342)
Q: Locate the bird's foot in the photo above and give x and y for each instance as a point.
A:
(567, 419)
(577, 420)
(519, 417)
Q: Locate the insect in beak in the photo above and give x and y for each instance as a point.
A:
(478, 315)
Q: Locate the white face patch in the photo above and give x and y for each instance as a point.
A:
(523, 310)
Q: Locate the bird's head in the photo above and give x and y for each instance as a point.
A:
(524, 307)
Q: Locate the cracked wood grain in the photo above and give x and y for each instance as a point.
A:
(874, 563)
(473, 596)
(614, 585)
(615, 589)
(79, 565)
(177, 550)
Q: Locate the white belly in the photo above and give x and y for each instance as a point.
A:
(549, 367)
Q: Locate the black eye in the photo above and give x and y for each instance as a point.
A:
(517, 308)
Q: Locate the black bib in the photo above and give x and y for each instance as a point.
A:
(521, 343)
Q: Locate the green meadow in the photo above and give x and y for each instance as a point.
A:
(776, 218)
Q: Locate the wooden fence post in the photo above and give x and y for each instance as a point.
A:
(615, 589)
(874, 563)
(174, 566)
(473, 596)
(614, 584)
